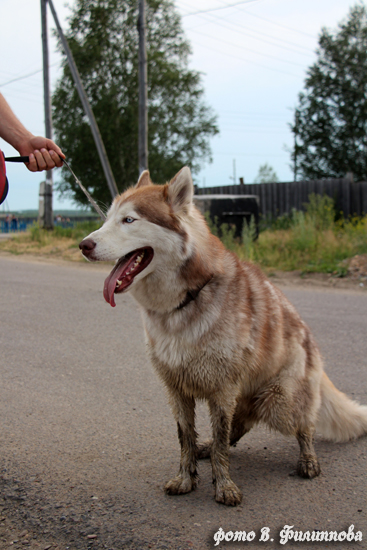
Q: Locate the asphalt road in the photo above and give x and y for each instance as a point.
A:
(87, 439)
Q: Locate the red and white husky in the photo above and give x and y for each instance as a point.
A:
(217, 329)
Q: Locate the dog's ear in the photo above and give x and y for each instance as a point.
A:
(144, 180)
(180, 190)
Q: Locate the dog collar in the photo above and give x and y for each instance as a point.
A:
(192, 295)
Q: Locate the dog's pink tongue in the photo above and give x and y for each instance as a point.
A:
(109, 289)
(111, 281)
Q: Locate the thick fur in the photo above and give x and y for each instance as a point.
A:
(239, 344)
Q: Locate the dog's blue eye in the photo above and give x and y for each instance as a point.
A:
(129, 219)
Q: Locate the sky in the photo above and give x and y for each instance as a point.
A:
(252, 56)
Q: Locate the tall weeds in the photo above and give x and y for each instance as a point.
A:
(310, 241)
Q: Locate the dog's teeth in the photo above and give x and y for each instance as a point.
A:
(133, 267)
(136, 263)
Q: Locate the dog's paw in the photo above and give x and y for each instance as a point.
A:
(180, 485)
(204, 449)
(308, 467)
(228, 493)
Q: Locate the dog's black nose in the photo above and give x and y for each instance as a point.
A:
(87, 246)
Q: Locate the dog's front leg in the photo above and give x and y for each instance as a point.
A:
(221, 410)
(184, 411)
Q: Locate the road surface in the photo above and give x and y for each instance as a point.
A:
(87, 439)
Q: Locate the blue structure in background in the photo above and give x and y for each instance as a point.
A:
(15, 225)
(10, 223)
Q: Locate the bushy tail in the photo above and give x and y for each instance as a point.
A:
(339, 418)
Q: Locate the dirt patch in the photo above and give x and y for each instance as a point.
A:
(317, 280)
(355, 279)
(64, 248)
(357, 267)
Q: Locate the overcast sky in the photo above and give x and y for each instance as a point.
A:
(253, 56)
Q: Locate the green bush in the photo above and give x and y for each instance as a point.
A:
(248, 238)
(304, 232)
(226, 232)
(37, 234)
(320, 211)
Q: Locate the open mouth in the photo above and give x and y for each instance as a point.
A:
(125, 271)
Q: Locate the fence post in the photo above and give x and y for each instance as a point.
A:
(364, 197)
(45, 215)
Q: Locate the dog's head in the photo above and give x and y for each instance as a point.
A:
(145, 231)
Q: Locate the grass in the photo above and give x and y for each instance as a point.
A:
(62, 242)
(310, 241)
(313, 241)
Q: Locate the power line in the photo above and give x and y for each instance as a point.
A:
(254, 125)
(24, 97)
(247, 60)
(231, 154)
(218, 8)
(248, 49)
(25, 92)
(278, 24)
(14, 75)
(251, 131)
(229, 25)
(24, 76)
(252, 114)
(215, 19)
(21, 77)
(252, 36)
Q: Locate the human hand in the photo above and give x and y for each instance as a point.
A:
(43, 153)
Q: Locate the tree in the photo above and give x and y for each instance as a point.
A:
(330, 124)
(266, 174)
(103, 38)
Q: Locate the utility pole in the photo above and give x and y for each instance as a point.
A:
(295, 145)
(234, 177)
(45, 194)
(87, 108)
(143, 91)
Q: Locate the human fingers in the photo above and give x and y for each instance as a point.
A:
(32, 164)
(55, 157)
(51, 146)
(41, 163)
(48, 160)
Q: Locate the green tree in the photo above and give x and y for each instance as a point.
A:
(266, 174)
(330, 124)
(103, 37)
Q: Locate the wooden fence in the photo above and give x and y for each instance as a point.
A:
(280, 198)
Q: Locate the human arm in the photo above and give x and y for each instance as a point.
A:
(43, 153)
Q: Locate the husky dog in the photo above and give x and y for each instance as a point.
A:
(217, 329)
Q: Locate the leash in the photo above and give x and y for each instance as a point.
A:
(91, 200)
